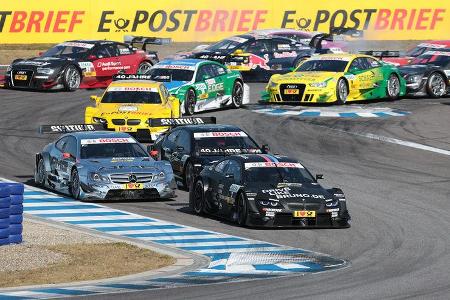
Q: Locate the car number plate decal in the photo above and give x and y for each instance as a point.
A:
(20, 77)
(291, 91)
(133, 186)
(304, 214)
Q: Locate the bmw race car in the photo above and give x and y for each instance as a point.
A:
(129, 102)
(90, 165)
(201, 85)
(336, 78)
(190, 148)
(267, 190)
(81, 64)
(428, 74)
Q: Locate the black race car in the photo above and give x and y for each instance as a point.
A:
(267, 190)
(82, 64)
(190, 148)
(428, 74)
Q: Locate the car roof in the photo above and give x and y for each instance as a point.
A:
(270, 158)
(181, 62)
(135, 83)
(98, 134)
(276, 31)
(338, 56)
(210, 128)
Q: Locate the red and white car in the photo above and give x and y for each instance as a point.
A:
(420, 49)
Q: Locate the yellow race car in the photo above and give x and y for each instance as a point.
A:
(129, 102)
(336, 78)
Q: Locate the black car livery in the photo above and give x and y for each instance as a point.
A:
(428, 74)
(267, 190)
(192, 147)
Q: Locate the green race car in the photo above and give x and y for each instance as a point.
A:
(201, 84)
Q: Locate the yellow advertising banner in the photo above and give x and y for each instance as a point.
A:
(46, 21)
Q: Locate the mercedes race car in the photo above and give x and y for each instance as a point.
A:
(428, 74)
(267, 190)
(192, 147)
(129, 102)
(336, 78)
(201, 84)
(101, 165)
(81, 64)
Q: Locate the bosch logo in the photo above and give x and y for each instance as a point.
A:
(132, 178)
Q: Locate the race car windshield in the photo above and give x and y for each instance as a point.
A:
(322, 65)
(274, 176)
(224, 45)
(221, 145)
(165, 74)
(144, 97)
(110, 150)
(66, 51)
(437, 60)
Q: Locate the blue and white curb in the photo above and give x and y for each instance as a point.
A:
(232, 258)
(332, 112)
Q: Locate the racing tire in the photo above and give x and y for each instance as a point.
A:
(436, 85)
(16, 188)
(237, 94)
(188, 177)
(75, 187)
(16, 219)
(16, 209)
(16, 199)
(5, 223)
(15, 229)
(189, 102)
(15, 239)
(393, 87)
(241, 210)
(5, 202)
(5, 213)
(144, 67)
(39, 174)
(4, 233)
(341, 91)
(71, 78)
(5, 191)
(197, 201)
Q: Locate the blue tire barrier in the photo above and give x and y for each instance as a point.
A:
(4, 190)
(4, 223)
(16, 188)
(16, 199)
(15, 219)
(5, 202)
(4, 241)
(5, 213)
(4, 233)
(15, 229)
(15, 239)
(16, 209)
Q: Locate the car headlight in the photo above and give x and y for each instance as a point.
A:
(331, 202)
(414, 78)
(97, 177)
(269, 203)
(161, 176)
(46, 71)
(318, 84)
(99, 120)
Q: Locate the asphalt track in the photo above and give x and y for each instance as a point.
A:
(398, 196)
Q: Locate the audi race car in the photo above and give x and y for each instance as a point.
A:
(428, 74)
(129, 102)
(90, 165)
(399, 59)
(81, 64)
(192, 147)
(201, 85)
(267, 190)
(336, 78)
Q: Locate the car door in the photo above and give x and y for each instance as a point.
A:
(106, 63)
(168, 146)
(68, 157)
(284, 54)
(128, 58)
(217, 185)
(205, 86)
(56, 154)
(231, 180)
(361, 78)
(182, 151)
(261, 53)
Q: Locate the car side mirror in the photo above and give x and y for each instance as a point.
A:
(92, 57)
(229, 175)
(265, 149)
(95, 98)
(67, 155)
(154, 153)
(319, 176)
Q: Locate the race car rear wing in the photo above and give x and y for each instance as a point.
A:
(172, 122)
(132, 40)
(335, 34)
(69, 128)
(381, 53)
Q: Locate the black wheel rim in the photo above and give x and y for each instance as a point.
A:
(342, 90)
(198, 198)
(241, 210)
(437, 85)
(72, 78)
(238, 94)
(393, 86)
(144, 67)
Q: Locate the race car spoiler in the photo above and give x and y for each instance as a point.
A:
(69, 128)
(181, 121)
(133, 39)
(381, 53)
(131, 77)
(335, 34)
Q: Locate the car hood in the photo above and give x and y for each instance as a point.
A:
(173, 86)
(290, 193)
(305, 77)
(414, 69)
(43, 62)
(132, 111)
(124, 164)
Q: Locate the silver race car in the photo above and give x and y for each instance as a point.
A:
(101, 165)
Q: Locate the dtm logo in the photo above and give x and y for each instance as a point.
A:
(377, 19)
